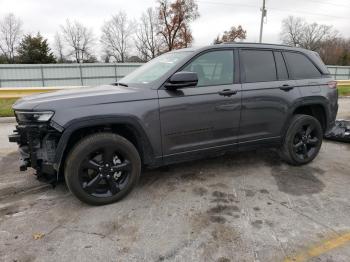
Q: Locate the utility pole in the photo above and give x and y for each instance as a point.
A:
(263, 14)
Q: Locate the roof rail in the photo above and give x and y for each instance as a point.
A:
(232, 43)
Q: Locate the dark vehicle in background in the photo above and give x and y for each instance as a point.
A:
(183, 105)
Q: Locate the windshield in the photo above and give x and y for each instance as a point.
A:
(154, 69)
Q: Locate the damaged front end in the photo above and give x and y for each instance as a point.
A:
(37, 138)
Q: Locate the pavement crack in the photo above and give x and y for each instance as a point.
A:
(173, 253)
(88, 233)
(54, 229)
(280, 244)
(306, 216)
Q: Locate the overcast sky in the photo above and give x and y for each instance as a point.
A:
(215, 15)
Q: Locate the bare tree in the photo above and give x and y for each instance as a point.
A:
(116, 35)
(10, 34)
(148, 42)
(315, 35)
(297, 32)
(292, 30)
(174, 19)
(335, 51)
(79, 39)
(59, 48)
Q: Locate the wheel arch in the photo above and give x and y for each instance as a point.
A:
(315, 106)
(315, 110)
(126, 126)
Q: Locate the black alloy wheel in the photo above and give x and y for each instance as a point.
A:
(306, 141)
(104, 172)
(302, 141)
(102, 168)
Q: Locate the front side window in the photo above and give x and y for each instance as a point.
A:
(258, 65)
(213, 68)
(300, 66)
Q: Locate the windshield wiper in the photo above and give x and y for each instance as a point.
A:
(120, 84)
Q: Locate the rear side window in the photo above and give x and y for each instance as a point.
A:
(258, 65)
(300, 66)
(281, 67)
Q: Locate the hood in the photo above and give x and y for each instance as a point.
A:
(84, 96)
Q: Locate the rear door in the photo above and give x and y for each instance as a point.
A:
(267, 93)
(205, 116)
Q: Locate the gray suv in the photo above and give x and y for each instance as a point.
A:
(182, 105)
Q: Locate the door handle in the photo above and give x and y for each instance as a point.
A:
(286, 87)
(227, 92)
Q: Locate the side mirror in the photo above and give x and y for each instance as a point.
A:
(181, 80)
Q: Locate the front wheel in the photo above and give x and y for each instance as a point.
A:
(302, 141)
(102, 168)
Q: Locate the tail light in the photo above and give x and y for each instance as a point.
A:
(332, 84)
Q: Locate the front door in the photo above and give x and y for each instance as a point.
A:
(206, 116)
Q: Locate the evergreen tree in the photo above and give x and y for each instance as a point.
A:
(35, 50)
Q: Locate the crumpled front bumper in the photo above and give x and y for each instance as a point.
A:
(24, 154)
(37, 147)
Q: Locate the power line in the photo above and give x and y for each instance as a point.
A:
(223, 3)
(273, 8)
(328, 3)
(315, 1)
(310, 13)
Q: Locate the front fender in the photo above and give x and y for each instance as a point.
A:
(74, 125)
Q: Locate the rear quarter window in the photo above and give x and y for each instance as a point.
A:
(300, 67)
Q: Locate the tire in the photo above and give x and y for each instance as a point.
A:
(302, 141)
(102, 168)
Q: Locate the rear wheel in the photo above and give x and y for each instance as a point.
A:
(102, 168)
(302, 141)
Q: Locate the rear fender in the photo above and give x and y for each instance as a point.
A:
(306, 101)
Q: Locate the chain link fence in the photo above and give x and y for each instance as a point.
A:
(340, 72)
(47, 75)
(53, 75)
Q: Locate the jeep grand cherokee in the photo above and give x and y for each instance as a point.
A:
(182, 105)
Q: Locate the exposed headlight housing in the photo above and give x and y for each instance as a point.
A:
(23, 116)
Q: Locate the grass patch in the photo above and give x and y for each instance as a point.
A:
(344, 90)
(5, 106)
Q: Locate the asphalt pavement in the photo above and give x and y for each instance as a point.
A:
(240, 207)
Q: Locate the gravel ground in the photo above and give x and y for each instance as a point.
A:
(240, 207)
